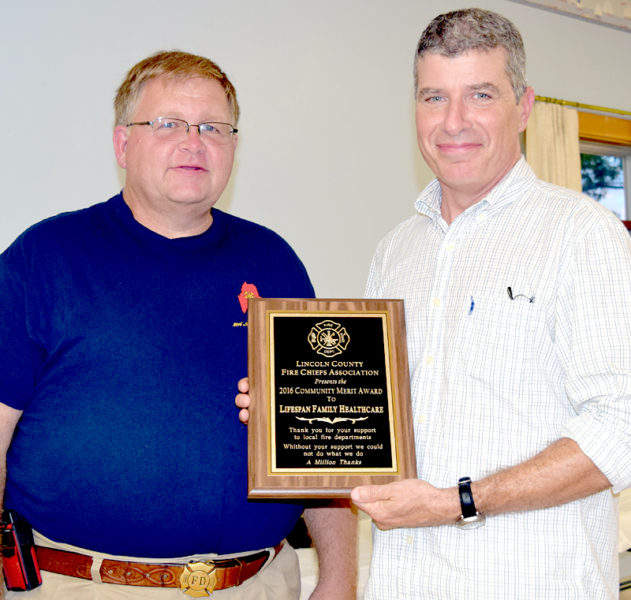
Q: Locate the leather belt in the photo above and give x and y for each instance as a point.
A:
(194, 578)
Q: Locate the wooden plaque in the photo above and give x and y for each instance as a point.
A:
(330, 391)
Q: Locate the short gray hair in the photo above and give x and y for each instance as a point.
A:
(457, 32)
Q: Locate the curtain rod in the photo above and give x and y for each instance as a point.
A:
(602, 109)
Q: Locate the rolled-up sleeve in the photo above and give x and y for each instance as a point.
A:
(593, 338)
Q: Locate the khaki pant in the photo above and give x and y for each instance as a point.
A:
(277, 580)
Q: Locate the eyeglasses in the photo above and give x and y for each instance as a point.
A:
(173, 130)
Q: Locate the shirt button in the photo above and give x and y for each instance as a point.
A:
(421, 419)
(429, 360)
(436, 301)
(450, 247)
(409, 540)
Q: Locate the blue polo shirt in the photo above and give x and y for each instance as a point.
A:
(123, 349)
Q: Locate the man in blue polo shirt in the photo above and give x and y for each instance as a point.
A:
(122, 338)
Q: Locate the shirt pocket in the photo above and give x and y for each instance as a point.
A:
(500, 343)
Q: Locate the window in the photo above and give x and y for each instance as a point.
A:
(606, 161)
(606, 174)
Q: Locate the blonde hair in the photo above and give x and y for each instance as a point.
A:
(172, 63)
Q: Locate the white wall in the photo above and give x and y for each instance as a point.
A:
(327, 154)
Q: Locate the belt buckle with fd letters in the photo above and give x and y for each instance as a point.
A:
(198, 579)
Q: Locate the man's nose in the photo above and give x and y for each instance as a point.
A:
(193, 138)
(456, 117)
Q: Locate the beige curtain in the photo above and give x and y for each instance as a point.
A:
(552, 144)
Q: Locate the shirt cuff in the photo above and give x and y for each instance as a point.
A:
(607, 447)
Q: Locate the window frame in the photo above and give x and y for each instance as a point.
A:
(608, 135)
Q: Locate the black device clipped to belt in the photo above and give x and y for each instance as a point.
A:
(19, 562)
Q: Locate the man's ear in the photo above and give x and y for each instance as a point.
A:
(526, 103)
(120, 136)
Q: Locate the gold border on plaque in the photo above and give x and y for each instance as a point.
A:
(265, 478)
(272, 468)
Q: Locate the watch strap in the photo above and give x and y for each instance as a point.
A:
(467, 505)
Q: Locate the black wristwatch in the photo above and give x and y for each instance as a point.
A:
(470, 517)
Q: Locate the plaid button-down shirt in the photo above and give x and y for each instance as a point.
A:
(518, 320)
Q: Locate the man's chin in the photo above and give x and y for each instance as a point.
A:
(192, 199)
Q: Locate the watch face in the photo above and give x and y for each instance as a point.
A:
(473, 522)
